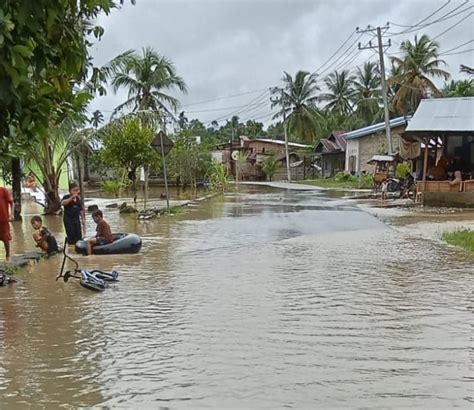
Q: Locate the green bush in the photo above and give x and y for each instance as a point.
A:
(343, 177)
(366, 181)
(113, 187)
(403, 170)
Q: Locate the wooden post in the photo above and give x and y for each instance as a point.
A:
(425, 163)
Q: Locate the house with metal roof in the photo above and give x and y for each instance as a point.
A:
(331, 152)
(444, 127)
(362, 144)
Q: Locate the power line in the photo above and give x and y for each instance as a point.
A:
(224, 98)
(333, 54)
(421, 21)
(445, 17)
(343, 56)
(455, 48)
(451, 27)
(460, 52)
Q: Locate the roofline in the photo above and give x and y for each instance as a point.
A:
(376, 128)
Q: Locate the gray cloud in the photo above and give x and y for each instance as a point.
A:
(228, 47)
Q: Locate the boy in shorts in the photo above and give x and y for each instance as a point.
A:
(104, 233)
(43, 237)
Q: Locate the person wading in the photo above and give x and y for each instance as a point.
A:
(74, 215)
(6, 216)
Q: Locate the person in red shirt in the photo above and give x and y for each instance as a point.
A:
(6, 216)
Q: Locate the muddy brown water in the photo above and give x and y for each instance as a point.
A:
(261, 299)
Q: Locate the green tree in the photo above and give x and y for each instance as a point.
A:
(188, 160)
(460, 88)
(49, 153)
(44, 61)
(275, 130)
(368, 94)
(341, 92)
(329, 121)
(270, 166)
(127, 148)
(414, 70)
(298, 99)
(219, 177)
(147, 77)
(96, 119)
(253, 129)
(240, 163)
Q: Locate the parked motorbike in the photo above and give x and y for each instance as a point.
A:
(406, 186)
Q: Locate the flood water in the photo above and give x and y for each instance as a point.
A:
(262, 299)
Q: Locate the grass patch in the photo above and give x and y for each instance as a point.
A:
(463, 238)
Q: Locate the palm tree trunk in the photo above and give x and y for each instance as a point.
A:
(16, 187)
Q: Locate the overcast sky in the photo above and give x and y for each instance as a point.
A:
(226, 47)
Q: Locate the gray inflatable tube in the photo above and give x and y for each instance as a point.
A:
(123, 243)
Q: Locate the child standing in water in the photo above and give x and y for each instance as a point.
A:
(43, 237)
(74, 215)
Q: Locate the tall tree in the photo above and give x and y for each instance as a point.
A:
(147, 77)
(368, 94)
(44, 58)
(414, 71)
(341, 92)
(298, 100)
(96, 119)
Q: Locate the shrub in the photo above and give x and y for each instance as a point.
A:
(343, 177)
(113, 187)
(403, 170)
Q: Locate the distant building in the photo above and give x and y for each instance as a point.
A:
(364, 143)
(255, 152)
(331, 152)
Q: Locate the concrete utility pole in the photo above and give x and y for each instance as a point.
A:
(380, 47)
(281, 100)
(164, 165)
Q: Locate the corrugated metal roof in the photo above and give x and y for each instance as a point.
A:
(443, 114)
(375, 128)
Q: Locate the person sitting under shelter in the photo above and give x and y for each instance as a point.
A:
(457, 180)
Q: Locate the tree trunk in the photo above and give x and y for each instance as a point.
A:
(52, 200)
(80, 177)
(16, 187)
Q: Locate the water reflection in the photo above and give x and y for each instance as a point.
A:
(262, 300)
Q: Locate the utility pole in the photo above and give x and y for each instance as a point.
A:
(282, 101)
(380, 47)
(164, 164)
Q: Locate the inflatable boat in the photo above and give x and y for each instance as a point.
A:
(123, 243)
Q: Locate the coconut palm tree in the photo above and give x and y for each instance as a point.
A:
(460, 88)
(96, 119)
(147, 77)
(415, 69)
(368, 94)
(298, 99)
(341, 92)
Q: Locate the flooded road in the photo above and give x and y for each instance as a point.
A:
(262, 299)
